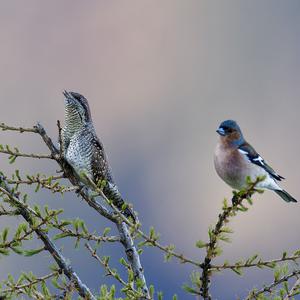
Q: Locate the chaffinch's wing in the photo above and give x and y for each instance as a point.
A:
(255, 158)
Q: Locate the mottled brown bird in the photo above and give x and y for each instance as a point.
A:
(84, 152)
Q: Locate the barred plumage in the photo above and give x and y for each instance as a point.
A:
(83, 150)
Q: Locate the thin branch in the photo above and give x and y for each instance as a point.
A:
(258, 264)
(19, 154)
(20, 129)
(49, 245)
(60, 139)
(295, 288)
(24, 236)
(20, 287)
(269, 288)
(86, 236)
(104, 263)
(211, 249)
(67, 292)
(5, 212)
(45, 183)
(181, 257)
(113, 273)
(54, 151)
(33, 179)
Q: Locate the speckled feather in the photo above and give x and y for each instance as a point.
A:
(86, 155)
(83, 150)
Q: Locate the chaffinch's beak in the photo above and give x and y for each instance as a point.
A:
(221, 131)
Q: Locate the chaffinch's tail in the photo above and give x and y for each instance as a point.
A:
(285, 196)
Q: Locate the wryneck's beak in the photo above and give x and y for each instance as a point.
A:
(68, 97)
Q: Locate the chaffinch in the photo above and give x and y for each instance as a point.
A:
(235, 159)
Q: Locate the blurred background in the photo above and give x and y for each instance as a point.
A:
(160, 76)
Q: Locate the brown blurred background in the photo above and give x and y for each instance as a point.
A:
(160, 76)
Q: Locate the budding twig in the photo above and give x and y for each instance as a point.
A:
(49, 245)
(211, 249)
(20, 129)
(113, 273)
(269, 288)
(258, 264)
(293, 290)
(20, 288)
(19, 154)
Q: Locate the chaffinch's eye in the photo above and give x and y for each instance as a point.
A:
(227, 129)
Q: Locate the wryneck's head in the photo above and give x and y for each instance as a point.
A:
(77, 111)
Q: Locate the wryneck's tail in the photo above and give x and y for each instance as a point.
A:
(112, 193)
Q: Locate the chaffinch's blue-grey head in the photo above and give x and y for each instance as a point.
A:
(231, 132)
